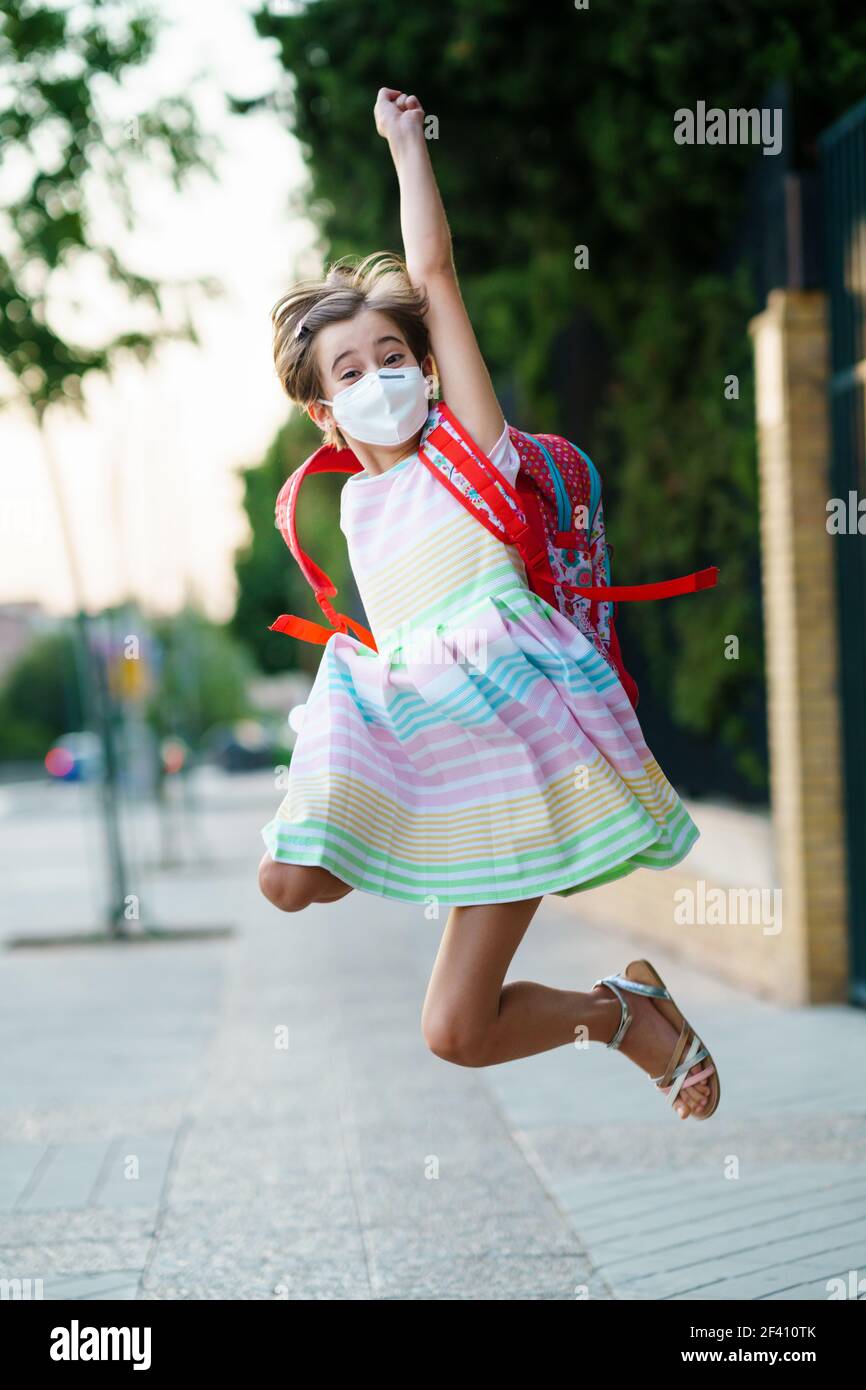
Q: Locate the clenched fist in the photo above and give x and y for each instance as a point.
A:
(396, 113)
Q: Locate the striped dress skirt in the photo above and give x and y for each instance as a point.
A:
(486, 752)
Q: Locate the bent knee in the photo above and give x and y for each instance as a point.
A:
(290, 887)
(449, 1037)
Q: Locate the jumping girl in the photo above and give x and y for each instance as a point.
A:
(424, 774)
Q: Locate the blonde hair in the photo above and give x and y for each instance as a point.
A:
(379, 281)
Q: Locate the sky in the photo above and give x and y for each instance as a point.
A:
(151, 475)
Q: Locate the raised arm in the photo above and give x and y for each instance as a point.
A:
(463, 375)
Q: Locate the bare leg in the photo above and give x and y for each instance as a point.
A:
(292, 887)
(471, 1019)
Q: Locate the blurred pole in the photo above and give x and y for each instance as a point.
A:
(107, 716)
(192, 733)
(137, 776)
(95, 702)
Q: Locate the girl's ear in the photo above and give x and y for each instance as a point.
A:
(428, 367)
(319, 414)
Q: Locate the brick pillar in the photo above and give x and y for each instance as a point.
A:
(800, 616)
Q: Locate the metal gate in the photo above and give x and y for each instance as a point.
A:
(843, 165)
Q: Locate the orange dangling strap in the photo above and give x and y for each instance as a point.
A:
(327, 459)
(317, 632)
(302, 628)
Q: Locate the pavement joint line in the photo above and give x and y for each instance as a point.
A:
(754, 1185)
(757, 1270)
(350, 1145)
(534, 1161)
(615, 1253)
(792, 1288)
(796, 1171)
(183, 1128)
(101, 1179)
(741, 1250)
(44, 1162)
(686, 1221)
(717, 1213)
(102, 1294)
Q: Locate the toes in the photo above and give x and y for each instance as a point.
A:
(694, 1100)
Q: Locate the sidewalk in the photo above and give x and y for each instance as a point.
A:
(354, 1164)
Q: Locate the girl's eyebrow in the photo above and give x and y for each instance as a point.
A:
(386, 338)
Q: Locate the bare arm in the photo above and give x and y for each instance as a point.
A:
(465, 381)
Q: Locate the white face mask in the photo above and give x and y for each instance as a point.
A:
(384, 407)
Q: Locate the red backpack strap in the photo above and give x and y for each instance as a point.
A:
(522, 525)
(327, 459)
(663, 588)
(531, 503)
(514, 524)
(599, 593)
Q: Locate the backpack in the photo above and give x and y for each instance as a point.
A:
(553, 514)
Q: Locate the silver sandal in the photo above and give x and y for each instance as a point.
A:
(641, 978)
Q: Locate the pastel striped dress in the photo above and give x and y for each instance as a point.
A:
(487, 752)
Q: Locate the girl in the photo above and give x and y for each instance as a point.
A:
(427, 776)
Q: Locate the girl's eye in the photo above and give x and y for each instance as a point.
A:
(390, 361)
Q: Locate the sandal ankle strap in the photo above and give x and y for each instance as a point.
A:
(636, 986)
(613, 982)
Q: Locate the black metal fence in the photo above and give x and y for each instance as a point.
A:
(843, 161)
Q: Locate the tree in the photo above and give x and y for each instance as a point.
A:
(202, 679)
(40, 699)
(64, 151)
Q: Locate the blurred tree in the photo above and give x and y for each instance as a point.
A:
(555, 130)
(269, 581)
(219, 692)
(63, 154)
(40, 698)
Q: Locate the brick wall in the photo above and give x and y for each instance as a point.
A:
(807, 961)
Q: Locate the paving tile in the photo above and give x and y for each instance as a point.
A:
(463, 1232)
(58, 1256)
(761, 1269)
(498, 1277)
(134, 1171)
(288, 1279)
(242, 1233)
(403, 1194)
(67, 1177)
(111, 1284)
(19, 1163)
(87, 1223)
